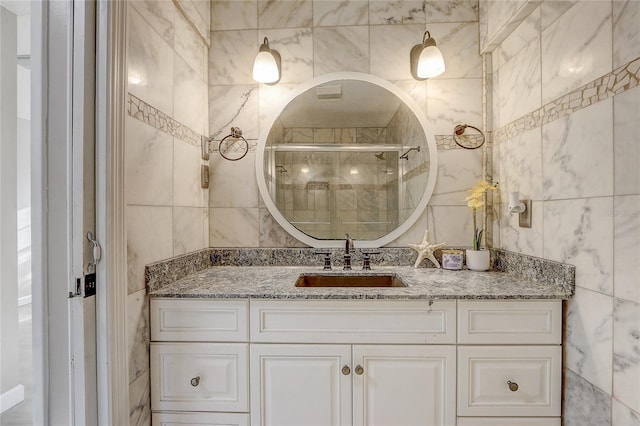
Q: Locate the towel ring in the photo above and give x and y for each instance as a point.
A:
(232, 145)
(471, 142)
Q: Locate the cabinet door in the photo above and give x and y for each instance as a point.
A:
(199, 419)
(298, 385)
(404, 385)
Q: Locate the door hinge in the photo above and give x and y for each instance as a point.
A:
(78, 289)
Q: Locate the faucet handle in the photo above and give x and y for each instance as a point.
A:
(366, 259)
(347, 262)
(327, 259)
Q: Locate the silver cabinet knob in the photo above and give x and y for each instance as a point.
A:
(359, 370)
(346, 370)
(195, 381)
(513, 386)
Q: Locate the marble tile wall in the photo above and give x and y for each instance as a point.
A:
(166, 209)
(316, 37)
(566, 116)
(198, 14)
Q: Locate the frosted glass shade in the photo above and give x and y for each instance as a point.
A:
(430, 63)
(265, 68)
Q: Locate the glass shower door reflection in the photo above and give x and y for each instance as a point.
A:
(330, 193)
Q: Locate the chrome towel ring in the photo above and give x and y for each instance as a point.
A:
(469, 141)
(234, 146)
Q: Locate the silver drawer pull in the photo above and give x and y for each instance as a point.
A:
(195, 381)
(359, 370)
(513, 386)
(346, 370)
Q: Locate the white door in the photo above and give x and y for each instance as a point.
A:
(404, 385)
(63, 210)
(85, 253)
(300, 385)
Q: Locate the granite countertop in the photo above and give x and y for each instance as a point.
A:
(277, 282)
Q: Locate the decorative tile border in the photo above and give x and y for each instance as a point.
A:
(331, 186)
(617, 81)
(140, 110)
(446, 142)
(417, 171)
(214, 143)
(443, 142)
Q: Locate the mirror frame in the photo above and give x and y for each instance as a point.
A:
(322, 243)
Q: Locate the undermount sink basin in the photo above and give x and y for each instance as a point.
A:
(369, 280)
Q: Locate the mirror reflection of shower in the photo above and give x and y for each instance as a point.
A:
(327, 190)
(357, 165)
(339, 189)
(343, 188)
(405, 156)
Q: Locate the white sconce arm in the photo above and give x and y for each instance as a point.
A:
(515, 205)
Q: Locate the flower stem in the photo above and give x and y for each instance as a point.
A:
(475, 233)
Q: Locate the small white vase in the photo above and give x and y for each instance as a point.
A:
(478, 260)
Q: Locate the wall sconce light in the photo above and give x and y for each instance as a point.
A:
(521, 208)
(266, 66)
(426, 59)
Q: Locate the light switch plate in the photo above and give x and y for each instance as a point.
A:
(204, 176)
(524, 218)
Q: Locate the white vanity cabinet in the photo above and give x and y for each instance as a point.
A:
(356, 362)
(352, 362)
(319, 384)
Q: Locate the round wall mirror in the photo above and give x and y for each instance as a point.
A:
(348, 153)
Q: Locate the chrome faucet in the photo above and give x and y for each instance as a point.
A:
(348, 245)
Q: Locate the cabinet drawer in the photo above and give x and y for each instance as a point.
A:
(506, 322)
(199, 320)
(484, 373)
(201, 419)
(353, 321)
(200, 376)
(509, 421)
